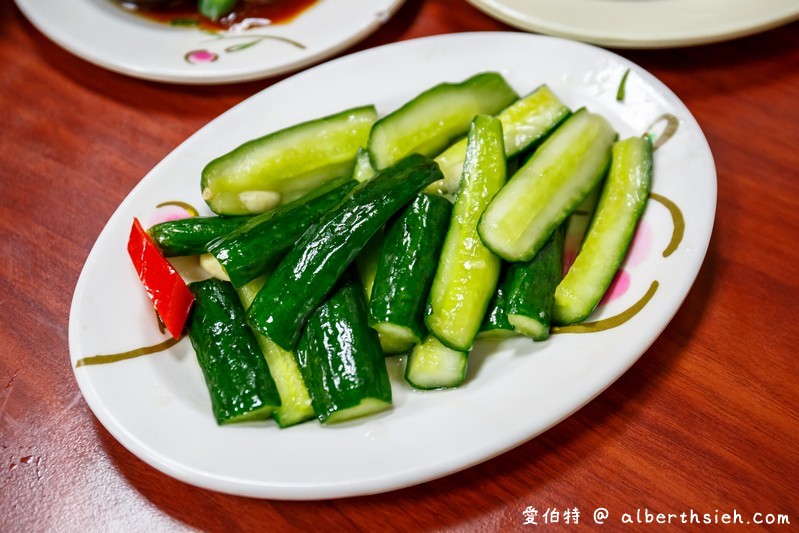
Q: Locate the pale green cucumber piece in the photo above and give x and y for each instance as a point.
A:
(431, 365)
(546, 189)
(621, 205)
(467, 272)
(435, 118)
(394, 339)
(576, 226)
(368, 406)
(295, 400)
(524, 123)
(362, 170)
(282, 166)
(366, 262)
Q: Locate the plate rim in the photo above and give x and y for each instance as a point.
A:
(82, 50)
(499, 10)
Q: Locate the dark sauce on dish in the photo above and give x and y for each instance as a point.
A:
(248, 14)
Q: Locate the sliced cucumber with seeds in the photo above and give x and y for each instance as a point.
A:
(546, 189)
(621, 205)
(467, 272)
(524, 123)
(285, 165)
(431, 365)
(434, 119)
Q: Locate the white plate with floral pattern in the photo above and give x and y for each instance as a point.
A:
(643, 23)
(103, 33)
(157, 405)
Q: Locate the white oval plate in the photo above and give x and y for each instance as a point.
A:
(643, 23)
(158, 407)
(104, 34)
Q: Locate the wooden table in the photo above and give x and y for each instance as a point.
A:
(706, 421)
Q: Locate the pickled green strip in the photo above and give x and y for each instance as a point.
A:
(621, 91)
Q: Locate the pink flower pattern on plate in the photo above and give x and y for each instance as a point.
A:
(200, 56)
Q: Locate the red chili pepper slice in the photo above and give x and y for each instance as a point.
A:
(167, 290)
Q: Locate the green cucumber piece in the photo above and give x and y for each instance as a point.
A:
(363, 166)
(295, 401)
(576, 226)
(495, 323)
(191, 236)
(620, 207)
(548, 187)
(366, 262)
(467, 273)
(340, 358)
(254, 248)
(435, 118)
(237, 376)
(524, 123)
(309, 271)
(411, 247)
(282, 166)
(531, 289)
(431, 365)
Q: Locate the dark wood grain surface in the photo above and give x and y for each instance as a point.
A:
(706, 420)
